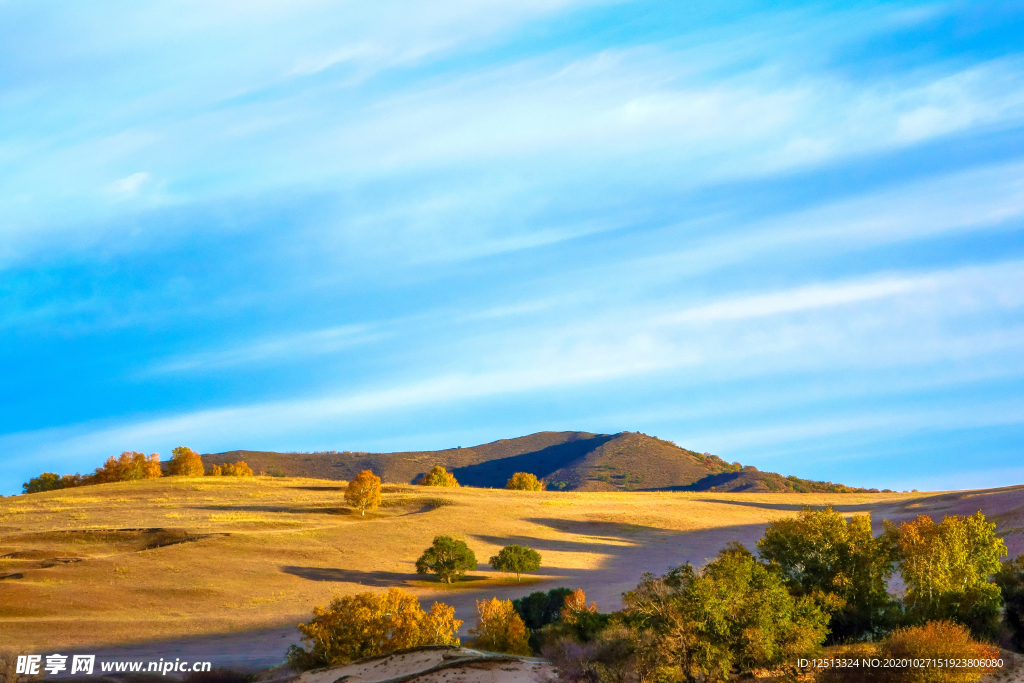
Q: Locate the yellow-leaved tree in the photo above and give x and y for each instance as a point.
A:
(499, 628)
(363, 492)
(575, 605)
(129, 466)
(367, 624)
(439, 476)
(185, 462)
(524, 481)
(230, 469)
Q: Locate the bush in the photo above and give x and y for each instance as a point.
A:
(363, 492)
(185, 462)
(448, 558)
(524, 481)
(499, 628)
(934, 640)
(616, 655)
(439, 476)
(516, 558)
(369, 624)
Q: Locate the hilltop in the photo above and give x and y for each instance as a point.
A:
(570, 461)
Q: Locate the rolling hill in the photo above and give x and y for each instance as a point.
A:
(571, 461)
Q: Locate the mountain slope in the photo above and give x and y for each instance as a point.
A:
(572, 461)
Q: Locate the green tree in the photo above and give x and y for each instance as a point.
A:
(735, 614)
(439, 476)
(47, 481)
(363, 492)
(524, 481)
(820, 551)
(539, 609)
(946, 569)
(448, 558)
(185, 462)
(367, 624)
(516, 558)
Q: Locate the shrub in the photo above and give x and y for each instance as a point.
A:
(185, 462)
(363, 492)
(448, 558)
(499, 628)
(367, 624)
(616, 655)
(439, 476)
(47, 481)
(935, 640)
(524, 481)
(129, 466)
(516, 558)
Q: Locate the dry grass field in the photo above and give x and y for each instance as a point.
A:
(176, 558)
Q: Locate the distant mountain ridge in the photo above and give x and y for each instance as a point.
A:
(570, 461)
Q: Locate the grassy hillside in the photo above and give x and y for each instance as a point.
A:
(173, 557)
(570, 461)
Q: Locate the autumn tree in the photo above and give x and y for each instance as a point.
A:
(236, 469)
(129, 466)
(185, 462)
(499, 628)
(575, 607)
(439, 476)
(367, 624)
(821, 551)
(363, 492)
(516, 558)
(734, 615)
(448, 558)
(524, 481)
(946, 569)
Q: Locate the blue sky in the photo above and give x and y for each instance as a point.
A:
(790, 234)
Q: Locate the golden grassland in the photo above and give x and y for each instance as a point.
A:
(175, 557)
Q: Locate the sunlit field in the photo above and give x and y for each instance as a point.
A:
(174, 557)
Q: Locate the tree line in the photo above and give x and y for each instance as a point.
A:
(133, 465)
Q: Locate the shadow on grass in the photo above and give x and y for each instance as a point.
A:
(797, 507)
(336, 575)
(318, 488)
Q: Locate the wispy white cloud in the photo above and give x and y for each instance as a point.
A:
(275, 349)
(129, 185)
